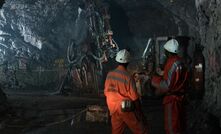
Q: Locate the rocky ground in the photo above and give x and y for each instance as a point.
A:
(36, 115)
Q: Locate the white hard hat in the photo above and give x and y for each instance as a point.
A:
(123, 56)
(172, 46)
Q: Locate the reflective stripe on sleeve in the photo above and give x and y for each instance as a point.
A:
(171, 71)
(117, 79)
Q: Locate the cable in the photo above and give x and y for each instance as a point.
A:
(67, 119)
(53, 123)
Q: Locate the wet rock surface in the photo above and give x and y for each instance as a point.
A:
(38, 25)
(209, 19)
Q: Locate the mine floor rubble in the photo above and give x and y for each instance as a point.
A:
(67, 115)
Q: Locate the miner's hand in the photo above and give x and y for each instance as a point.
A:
(159, 71)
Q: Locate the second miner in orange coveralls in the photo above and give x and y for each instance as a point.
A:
(173, 85)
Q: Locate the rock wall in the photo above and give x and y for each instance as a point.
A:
(209, 19)
(45, 25)
(34, 36)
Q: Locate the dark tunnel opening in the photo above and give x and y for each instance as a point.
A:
(122, 34)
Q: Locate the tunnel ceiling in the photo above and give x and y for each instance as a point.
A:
(183, 11)
(153, 18)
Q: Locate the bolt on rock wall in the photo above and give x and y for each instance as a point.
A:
(209, 18)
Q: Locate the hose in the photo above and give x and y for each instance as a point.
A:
(68, 54)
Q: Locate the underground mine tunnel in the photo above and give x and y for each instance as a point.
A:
(58, 61)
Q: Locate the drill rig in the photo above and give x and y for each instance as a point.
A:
(85, 59)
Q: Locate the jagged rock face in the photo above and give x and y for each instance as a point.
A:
(49, 25)
(209, 15)
(37, 33)
(39, 26)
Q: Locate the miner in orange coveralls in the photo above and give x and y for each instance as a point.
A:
(122, 98)
(172, 85)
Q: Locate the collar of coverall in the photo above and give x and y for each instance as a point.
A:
(173, 57)
(120, 67)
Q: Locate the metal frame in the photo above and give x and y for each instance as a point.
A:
(157, 48)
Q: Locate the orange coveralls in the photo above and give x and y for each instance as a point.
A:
(119, 86)
(173, 84)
